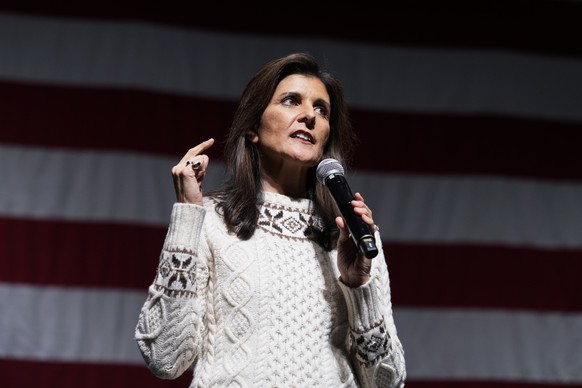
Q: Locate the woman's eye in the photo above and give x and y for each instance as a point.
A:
(290, 100)
(322, 110)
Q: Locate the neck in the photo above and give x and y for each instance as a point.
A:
(294, 190)
(283, 177)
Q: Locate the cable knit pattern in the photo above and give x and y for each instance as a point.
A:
(267, 312)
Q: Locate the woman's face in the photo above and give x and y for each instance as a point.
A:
(295, 125)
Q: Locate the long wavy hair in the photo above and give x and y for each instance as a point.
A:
(240, 196)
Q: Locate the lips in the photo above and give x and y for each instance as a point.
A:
(302, 135)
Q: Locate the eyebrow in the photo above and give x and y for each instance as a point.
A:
(317, 101)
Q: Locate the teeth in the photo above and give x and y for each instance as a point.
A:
(303, 136)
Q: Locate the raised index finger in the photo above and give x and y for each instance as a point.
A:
(197, 150)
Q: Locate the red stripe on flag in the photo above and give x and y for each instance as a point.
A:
(79, 254)
(114, 119)
(484, 384)
(15, 373)
(473, 145)
(109, 119)
(471, 276)
(126, 256)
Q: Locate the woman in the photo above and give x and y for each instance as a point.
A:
(259, 284)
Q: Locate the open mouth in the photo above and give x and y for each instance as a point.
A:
(305, 136)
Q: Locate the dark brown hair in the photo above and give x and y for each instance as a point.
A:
(239, 198)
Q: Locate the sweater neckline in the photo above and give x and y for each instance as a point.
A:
(284, 200)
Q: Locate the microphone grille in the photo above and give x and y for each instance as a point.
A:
(327, 167)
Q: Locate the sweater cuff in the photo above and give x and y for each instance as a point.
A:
(185, 228)
(364, 310)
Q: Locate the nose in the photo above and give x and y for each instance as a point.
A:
(308, 118)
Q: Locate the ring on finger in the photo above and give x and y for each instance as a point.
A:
(195, 165)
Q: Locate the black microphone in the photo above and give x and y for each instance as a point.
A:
(330, 173)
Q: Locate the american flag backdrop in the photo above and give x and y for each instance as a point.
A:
(470, 155)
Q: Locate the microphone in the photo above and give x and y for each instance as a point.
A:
(330, 173)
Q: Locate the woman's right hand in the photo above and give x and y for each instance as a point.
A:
(188, 179)
(354, 267)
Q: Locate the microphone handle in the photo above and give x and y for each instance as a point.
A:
(360, 231)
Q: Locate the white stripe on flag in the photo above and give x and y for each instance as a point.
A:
(491, 345)
(69, 324)
(74, 324)
(180, 60)
(137, 188)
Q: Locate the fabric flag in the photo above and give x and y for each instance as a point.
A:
(469, 125)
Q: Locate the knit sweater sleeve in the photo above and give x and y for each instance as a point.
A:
(170, 323)
(377, 352)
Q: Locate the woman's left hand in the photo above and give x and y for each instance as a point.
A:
(354, 267)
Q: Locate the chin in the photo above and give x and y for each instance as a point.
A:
(309, 162)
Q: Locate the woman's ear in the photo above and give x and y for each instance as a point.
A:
(252, 136)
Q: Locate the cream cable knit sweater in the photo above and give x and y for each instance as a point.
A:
(267, 312)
